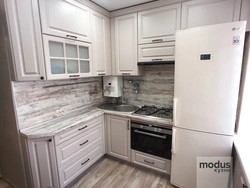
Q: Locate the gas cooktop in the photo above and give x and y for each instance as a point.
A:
(153, 111)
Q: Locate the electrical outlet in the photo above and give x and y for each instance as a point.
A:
(59, 112)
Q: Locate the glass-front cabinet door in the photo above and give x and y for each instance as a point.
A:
(66, 58)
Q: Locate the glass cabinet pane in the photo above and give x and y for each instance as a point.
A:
(55, 49)
(72, 66)
(57, 66)
(83, 52)
(71, 51)
(84, 66)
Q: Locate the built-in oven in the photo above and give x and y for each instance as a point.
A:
(151, 139)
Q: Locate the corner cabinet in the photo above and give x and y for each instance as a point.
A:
(209, 12)
(101, 44)
(26, 39)
(125, 45)
(66, 58)
(118, 137)
(65, 18)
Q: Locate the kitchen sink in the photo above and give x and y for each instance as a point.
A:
(119, 107)
(126, 108)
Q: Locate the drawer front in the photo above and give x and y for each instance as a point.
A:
(76, 130)
(70, 171)
(73, 147)
(156, 52)
(152, 162)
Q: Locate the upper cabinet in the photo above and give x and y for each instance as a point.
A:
(26, 39)
(209, 12)
(101, 44)
(65, 18)
(159, 24)
(66, 58)
(125, 45)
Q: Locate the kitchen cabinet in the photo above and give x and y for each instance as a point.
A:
(209, 12)
(57, 160)
(159, 24)
(66, 58)
(65, 18)
(118, 137)
(43, 162)
(101, 44)
(125, 45)
(25, 39)
(245, 13)
(156, 52)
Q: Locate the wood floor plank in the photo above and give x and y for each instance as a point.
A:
(112, 173)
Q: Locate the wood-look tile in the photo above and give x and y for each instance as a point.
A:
(112, 173)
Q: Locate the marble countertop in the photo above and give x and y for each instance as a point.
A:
(63, 123)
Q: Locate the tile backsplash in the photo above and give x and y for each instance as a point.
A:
(156, 86)
(36, 104)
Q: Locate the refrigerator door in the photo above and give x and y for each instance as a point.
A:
(207, 76)
(187, 146)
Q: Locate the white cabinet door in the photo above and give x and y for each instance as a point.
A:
(43, 163)
(118, 137)
(65, 58)
(126, 45)
(101, 44)
(187, 145)
(65, 18)
(25, 32)
(156, 52)
(159, 25)
(209, 12)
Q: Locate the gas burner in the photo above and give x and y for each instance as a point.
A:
(145, 110)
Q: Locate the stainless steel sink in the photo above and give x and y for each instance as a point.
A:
(126, 108)
(119, 107)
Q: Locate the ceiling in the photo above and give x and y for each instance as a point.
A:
(112, 5)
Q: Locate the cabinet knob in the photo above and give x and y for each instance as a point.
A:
(42, 78)
(50, 140)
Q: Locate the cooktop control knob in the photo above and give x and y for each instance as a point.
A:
(159, 130)
(141, 126)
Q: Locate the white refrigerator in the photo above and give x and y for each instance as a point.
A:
(207, 77)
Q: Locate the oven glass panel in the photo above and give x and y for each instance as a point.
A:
(160, 147)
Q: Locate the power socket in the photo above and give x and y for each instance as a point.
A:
(59, 112)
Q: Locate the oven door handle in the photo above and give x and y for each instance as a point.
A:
(150, 134)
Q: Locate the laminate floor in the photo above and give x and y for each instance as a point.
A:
(4, 184)
(112, 173)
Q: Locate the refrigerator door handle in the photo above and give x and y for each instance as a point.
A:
(173, 140)
(174, 111)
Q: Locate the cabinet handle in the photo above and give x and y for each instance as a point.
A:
(125, 74)
(128, 124)
(101, 74)
(74, 75)
(85, 161)
(244, 186)
(149, 162)
(84, 143)
(71, 36)
(82, 128)
(156, 59)
(157, 40)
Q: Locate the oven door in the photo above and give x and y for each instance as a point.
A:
(148, 141)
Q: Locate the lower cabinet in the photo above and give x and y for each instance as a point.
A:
(56, 161)
(118, 137)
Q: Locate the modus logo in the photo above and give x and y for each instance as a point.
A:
(218, 166)
(213, 172)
